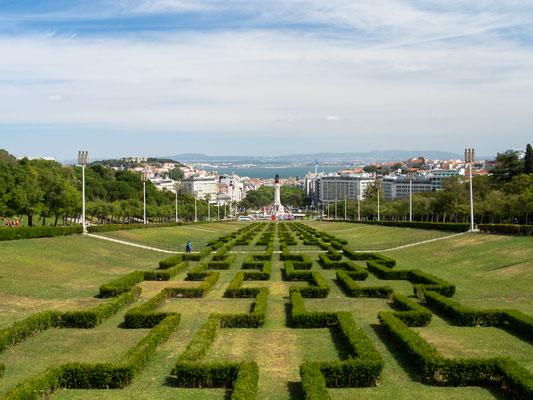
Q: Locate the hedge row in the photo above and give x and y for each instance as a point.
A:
(226, 264)
(189, 372)
(2, 370)
(465, 316)
(459, 372)
(441, 226)
(318, 288)
(254, 319)
(125, 283)
(234, 288)
(422, 280)
(410, 313)
(300, 318)
(364, 366)
(356, 272)
(208, 278)
(350, 285)
(22, 330)
(32, 232)
(380, 258)
(98, 375)
(506, 229)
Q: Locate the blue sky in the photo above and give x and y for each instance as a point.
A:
(164, 77)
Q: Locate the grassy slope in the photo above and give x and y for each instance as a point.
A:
(175, 238)
(279, 349)
(371, 237)
(62, 272)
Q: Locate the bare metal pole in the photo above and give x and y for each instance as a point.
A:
(469, 158)
(83, 158)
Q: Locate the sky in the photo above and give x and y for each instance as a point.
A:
(264, 77)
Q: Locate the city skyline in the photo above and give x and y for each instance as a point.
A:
(158, 77)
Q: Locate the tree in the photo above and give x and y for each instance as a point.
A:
(508, 167)
(528, 160)
(370, 168)
(176, 174)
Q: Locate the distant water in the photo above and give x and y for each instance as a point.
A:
(270, 172)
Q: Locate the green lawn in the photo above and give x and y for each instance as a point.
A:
(62, 273)
(372, 237)
(489, 271)
(174, 238)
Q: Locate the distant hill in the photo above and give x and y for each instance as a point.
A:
(371, 156)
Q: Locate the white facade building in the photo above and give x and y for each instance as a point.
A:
(333, 187)
(201, 187)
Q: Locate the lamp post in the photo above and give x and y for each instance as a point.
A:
(195, 209)
(469, 159)
(176, 191)
(410, 176)
(378, 187)
(83, 158)
(345, 208)
(359, 202)
(144, 177)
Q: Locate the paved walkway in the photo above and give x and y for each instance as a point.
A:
(416, 244)
(133, 244)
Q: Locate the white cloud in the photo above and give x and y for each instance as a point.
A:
(389, 74)
(55, 97)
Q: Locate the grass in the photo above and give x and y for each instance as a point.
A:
(372, 237)
(489, 271)
(174, 238)
(61, 273)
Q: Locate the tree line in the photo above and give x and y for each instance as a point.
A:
(51, 191)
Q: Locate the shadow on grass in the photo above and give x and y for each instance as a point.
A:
(340, 343)
(295, 390)
(171, 381)
(407, 365)
(412, 370)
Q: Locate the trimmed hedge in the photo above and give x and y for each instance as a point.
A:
(300, 318)
(351, 286)
(255, 319)
(440, 226)
(313, 382)
(465, 316)
(459, 372)
(381, 259)
(410, 313)
(506, 229)
(170, 261)
(22, 330)
(99, 375)
(33, 232)
(96, 315)
(318, 288)
(422, 280)
(226, 264)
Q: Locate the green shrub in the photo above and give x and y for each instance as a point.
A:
(32, 232)
(506, 229)
(22, 330)
(171, 261)
(245, 385)
(410, 313)
(300, 318)
(351, 286)
(313, 382)
(202, 340)
(121, 285)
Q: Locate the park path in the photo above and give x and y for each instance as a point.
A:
(133, 244)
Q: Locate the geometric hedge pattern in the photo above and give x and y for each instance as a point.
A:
(362, 365)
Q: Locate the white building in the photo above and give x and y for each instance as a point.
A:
(336, 187)
(396, 187)
(201, 187)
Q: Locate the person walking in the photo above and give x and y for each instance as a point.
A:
(188, 247)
